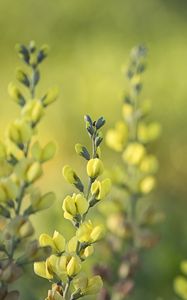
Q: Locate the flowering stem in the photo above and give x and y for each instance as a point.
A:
(65, 294)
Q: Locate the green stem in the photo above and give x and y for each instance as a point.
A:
(66, 290)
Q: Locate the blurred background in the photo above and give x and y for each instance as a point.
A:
(90, 43)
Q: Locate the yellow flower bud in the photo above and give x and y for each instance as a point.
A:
(72, 244)
(97, 233)
(72, 206)
(73, 266)
(15, 94)
(26, 230)
(41, 270)
(48, 151)
(88, 286)
(88, 233)
(149, 164)
(134, 153)
(20, 132)
(88, 251)
(180, 286)
(94, 167)
(69, 174)
(42, 202)
(34, 172)
(33, 111)
(127, 111)
(51, 96)
(8, 190)
(147, 133)
(100, 189)
(95, 284)
(57, 242)
(117, 138)
(147, 184)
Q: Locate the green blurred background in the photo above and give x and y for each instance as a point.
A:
(90, 41)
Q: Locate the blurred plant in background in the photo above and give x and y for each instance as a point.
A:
(130, 214)
(63, 267)
(21, 160)
(180, 282)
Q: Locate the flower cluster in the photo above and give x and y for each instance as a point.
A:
(129, 215)
(21, 160)
(180, 282)
(63, 267)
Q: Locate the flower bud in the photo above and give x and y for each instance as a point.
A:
(100, 189)
(33, 111)
(147, 184)
(34, 172)
(42, 202)
(116, 138)
(94, 167)
(149, 164)
(127, 111)
(22, 77)
(15, 94)
(51, 96)
(180, 286)
(72, 178)
(88, 233)
(26, 230)
(134, 153)
(82, 151)
(73, 266)
(57, 242)
(147, 133)
(72, 206)
(40, 269)
(20, 132)
(95, 284)
(48, 151)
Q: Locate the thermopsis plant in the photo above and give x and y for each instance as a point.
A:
(130, 215)
(63, 267)
(21, 160)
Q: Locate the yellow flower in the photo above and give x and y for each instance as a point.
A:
(134, 153)
(100, 189)
(116, 138)
(34, 172)
(88, 233)
(72, 247)
(51, 96)
(73, 266)
(75, 205)
(8, 190)
(180, 286)
(45, 154)
(56, 242)
(41, 269)
(94, 167)
(20, 132)
(15, 94)
(149, 164)
(3, 151)
(33, 111)
(147, 184)
(88, 286)
(127, 111)
(42, 202)
(148, 132)
(69, 174)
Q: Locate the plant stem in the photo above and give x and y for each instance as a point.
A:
(66, 290)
